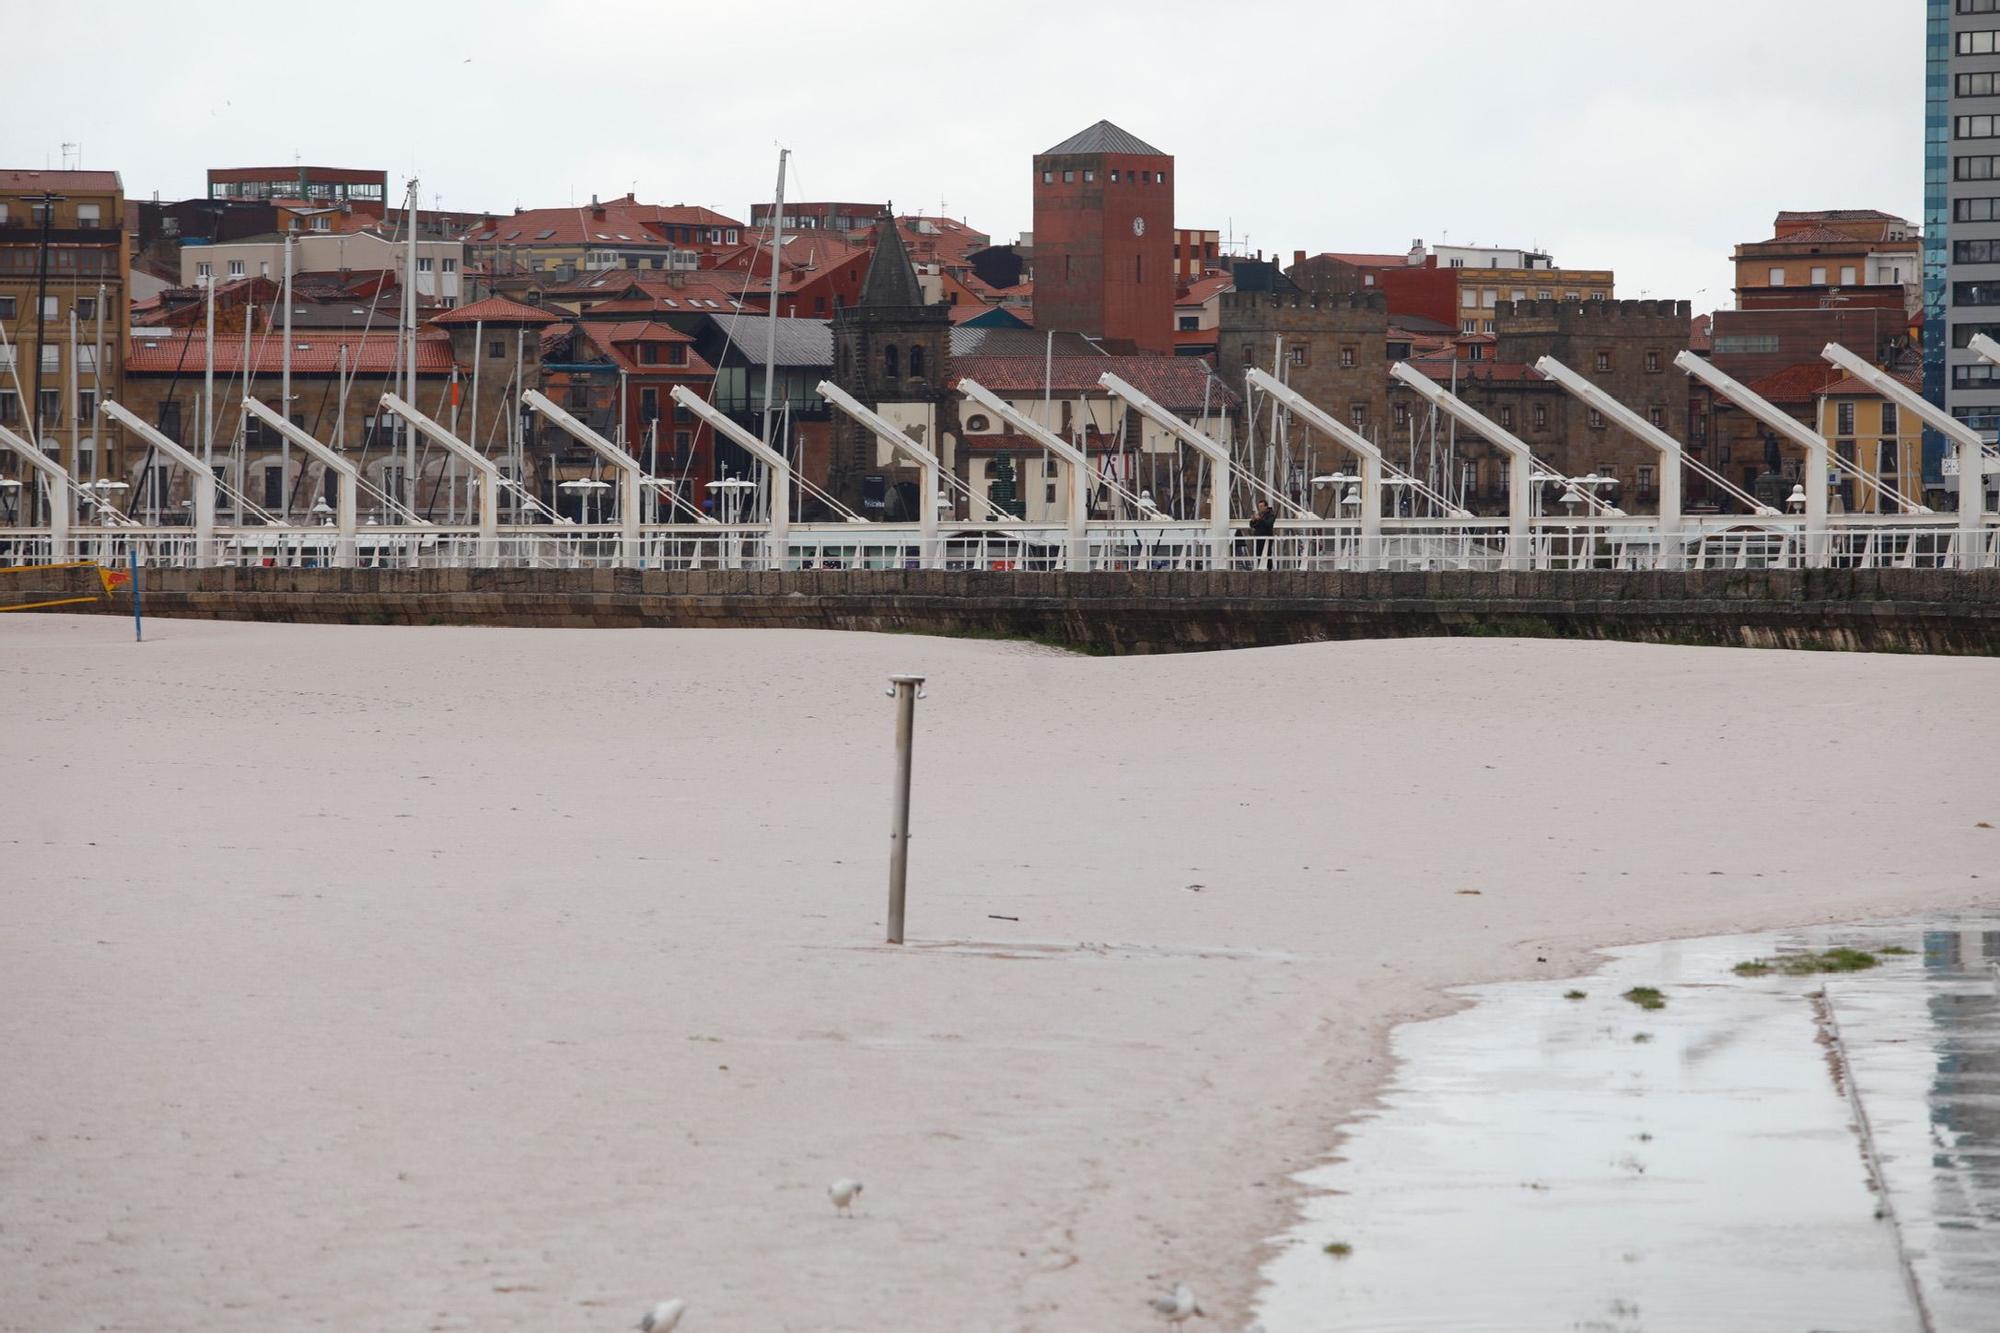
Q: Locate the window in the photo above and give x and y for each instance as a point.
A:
(86, 358)
(1975, 293)
(51, 357)
(1652, 363)
(50, 411)
(1541, 416)
(235, 268)
(274, 487)
(1048, 178)
(649, 404)
(1603, 362)
(1545, 296)
(1357, 415)
(1980, 209)
(1746, 343)
(677, 354)
(86, 308)
(1818, 278)
(89, 215)
(3, 215)
(1400, 414)
(1476, 352)
(1507, 418)
(1973, 127)
(1974, 168)
(1297, 354)
(1595, 419)
(425, 265)
(1982, 376)
(7, 307)
(1847, 275)
(10, 407)
(1469, 326)
(1776, 277)
(1978, 85)
(1069, 178)
(1189, 324)
(496, 349)
(1890, 421)
(1489, 298)
(1657, 416)
(49, 307)
(1114, 178)
(916, 363)
(1843, 416)
(889, 362)
(649, 354)
(322, 223)
(1139, 269)
(1975, 252)
(1469, 298)
(7, 354)
(1089, 175)
(1347, 358)
(1646, 480)
(1486, 326)
(1978, 43)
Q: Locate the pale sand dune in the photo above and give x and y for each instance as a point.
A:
(402, 979)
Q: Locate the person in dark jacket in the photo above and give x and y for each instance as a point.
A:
(1261, 529)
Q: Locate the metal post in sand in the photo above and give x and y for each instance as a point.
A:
(905, 690)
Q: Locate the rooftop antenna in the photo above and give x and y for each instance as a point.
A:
(72, 150)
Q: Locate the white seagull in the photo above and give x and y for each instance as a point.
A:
(662, 1317)
(844, 1192)
(1179, 1305)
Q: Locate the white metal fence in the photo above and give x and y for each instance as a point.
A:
(1909, 542)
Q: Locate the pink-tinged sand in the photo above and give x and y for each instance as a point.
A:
(377, 978)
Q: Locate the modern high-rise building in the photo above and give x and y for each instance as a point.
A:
(1104, 240)
(1961, 215)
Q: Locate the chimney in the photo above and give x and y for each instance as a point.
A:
(1298, 258)
(1417, 253)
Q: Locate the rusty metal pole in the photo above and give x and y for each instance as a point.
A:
(905, 690)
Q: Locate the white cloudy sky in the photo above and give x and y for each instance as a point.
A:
(1648, 137)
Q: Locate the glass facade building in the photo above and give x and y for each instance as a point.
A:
(1961, 218)
(1937, 213)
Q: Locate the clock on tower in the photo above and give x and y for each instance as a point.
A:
(1138, 226)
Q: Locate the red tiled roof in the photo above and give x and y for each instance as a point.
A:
(496, 310)
(674, 292)
(1814, 235)
(1847, 386)
(1361, 260)
(624, 222)
(1796, 383)
(315, 354)
(37, 181)
(1701, 334)
(1202, 289)
(1177, 383)
(615, 340)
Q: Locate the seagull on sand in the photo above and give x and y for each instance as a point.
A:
(662, 1317)
(1178, 1305)
(844, 1192)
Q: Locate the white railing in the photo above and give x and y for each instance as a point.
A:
(1928, 541)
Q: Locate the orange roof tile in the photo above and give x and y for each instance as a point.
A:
(315, 354)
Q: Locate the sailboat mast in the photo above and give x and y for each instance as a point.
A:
(777, 265)
(410, 354)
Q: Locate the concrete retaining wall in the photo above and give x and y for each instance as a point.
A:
(1917, 611)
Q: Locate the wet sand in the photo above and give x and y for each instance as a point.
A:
(452, 978)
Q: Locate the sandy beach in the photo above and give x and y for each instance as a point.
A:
(411, 979)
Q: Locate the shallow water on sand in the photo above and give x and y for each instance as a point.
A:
(1547, 1163)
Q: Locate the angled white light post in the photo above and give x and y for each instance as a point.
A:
(201, 481)
(779, 465)
(1520, 485)
(59, 490)
(892, 435)
(489, 475)
(1221, 475)
(1646, 433)
(1342, 434)
(631, 477)
(1971, 446)
(347, 478)
(1077, 461)
(1817, 455)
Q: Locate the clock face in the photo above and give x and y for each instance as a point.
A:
(1138, 226)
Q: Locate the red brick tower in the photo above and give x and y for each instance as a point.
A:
(1104, 240)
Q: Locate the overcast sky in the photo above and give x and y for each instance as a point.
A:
(1644, 137)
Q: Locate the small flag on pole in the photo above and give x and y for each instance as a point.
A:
(112, 579)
